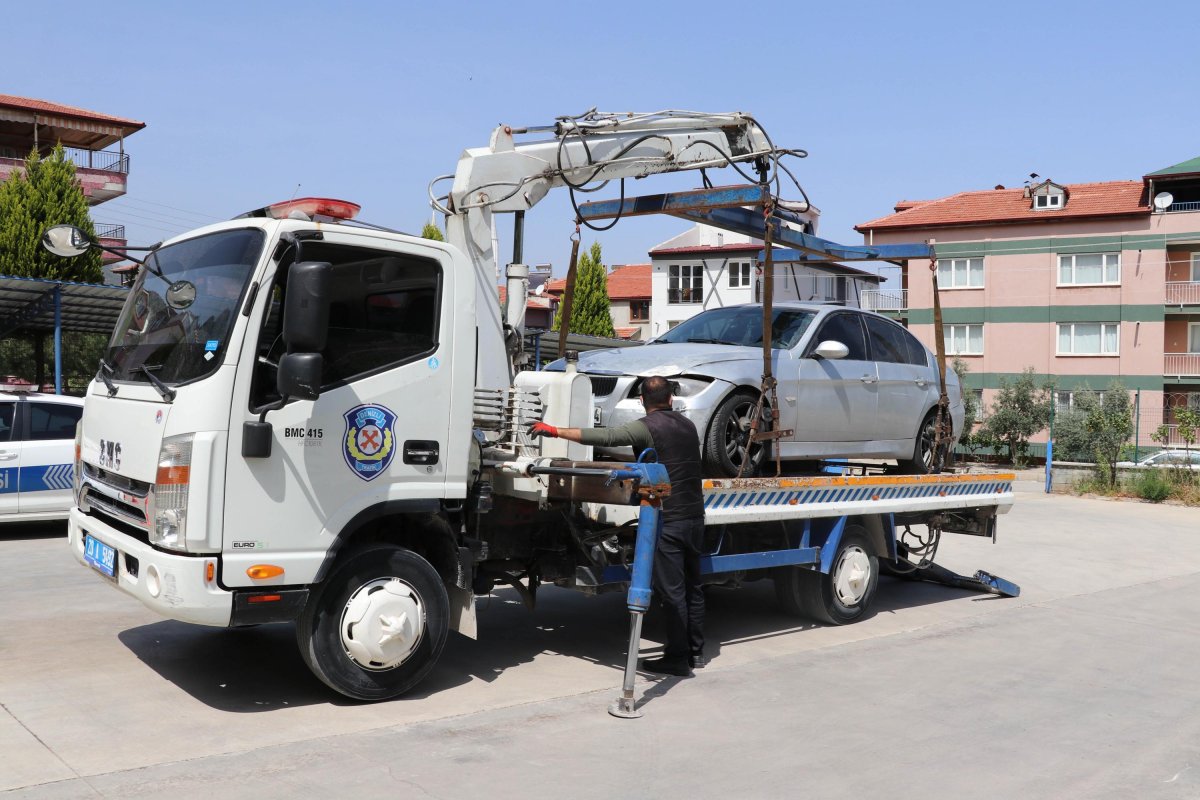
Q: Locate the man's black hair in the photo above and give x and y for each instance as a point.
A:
(656, 392)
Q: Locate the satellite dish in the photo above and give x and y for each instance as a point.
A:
(541, 288)
(1163, 200)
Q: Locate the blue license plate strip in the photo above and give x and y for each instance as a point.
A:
(102, 557)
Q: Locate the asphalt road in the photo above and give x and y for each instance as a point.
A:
(1086, 686)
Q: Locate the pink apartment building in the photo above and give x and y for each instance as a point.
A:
(94, 142)
(1083, 282)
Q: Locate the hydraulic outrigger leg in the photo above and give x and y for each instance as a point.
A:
(653, 486)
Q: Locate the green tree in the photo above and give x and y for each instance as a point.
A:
(590, 306)
(431, 231)
(45, 193)
(970, 404)
(1021, 409)
(1108, 420)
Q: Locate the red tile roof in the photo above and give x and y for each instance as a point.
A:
(626, 282)
(1003, 206)
(532, 301)
(628, 333)
(45, 106)
(744, 247)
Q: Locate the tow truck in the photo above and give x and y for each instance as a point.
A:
(301, 417)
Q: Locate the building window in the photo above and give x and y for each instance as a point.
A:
(685, 283)
(1065, 401)
(1089, 338)
(960, 273)
(978, 393)
(963, 340)
(1048, 201)
(639, 310)
(739, 274)
(1195, 276)
(1194, 337)
(1089, 269)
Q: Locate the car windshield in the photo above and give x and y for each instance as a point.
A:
(162, 330)
(741, 325)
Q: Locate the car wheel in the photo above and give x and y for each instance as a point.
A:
(727, 444)
(927, 458)
(841, 597)
(377, 625)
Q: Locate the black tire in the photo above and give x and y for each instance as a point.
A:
(927, 459)
(420, 600)
(840, 597)
(725, 445)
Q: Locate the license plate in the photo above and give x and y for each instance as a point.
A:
(100, 556)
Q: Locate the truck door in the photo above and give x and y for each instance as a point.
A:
(47, 456)
(378, 431)
(10, 458)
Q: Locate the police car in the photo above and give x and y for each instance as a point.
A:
(37, 452)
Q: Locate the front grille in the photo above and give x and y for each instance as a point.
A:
(603, 385)
(117, 509)
(119, 482)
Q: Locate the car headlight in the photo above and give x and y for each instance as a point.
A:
(686, 387)
(169, 527)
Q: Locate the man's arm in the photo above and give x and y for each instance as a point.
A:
(634, 434)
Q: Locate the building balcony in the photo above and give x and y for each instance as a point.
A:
(110, 236)
(885, 300)
(1183, 293)
(1181, 365)
(101, 173)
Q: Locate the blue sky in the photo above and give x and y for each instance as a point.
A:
(369, 101)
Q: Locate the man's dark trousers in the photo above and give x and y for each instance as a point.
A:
(677, 582)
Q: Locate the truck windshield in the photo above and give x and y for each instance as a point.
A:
(180, 341)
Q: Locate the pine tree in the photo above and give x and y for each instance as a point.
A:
(590, 307)
(431, 231)
(46, 193)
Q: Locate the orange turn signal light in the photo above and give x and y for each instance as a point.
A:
(264, 598)
(260, 571)
(210, 571)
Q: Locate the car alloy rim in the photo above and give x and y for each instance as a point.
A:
(928, 442)
(737, 433)
(852, 576)
(382, 623)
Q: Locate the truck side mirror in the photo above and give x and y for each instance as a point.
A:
(306, 307)
(300, 375)
(66, 241)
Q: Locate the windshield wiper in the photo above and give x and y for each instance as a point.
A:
(103, 372)
(698, 340)
(167, 392)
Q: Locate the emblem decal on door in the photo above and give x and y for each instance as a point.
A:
(368, 444)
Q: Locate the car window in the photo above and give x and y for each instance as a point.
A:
(847, 329)
(7, 415)
(52, 421)
(917, 354)
(741, 325)
(887, 341)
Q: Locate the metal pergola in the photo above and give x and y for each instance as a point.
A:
(37, 305)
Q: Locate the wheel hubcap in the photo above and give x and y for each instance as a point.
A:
(382, 624)
(737, 434)
(852, 576)
(928, 438)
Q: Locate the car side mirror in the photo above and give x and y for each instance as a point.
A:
(306, 306)
(299, 375)
(831, 350)
(66, 241)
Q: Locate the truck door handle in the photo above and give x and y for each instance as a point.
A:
(421, 451)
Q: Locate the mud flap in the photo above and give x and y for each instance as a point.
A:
(462, 611)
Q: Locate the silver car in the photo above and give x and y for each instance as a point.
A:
(850, 384)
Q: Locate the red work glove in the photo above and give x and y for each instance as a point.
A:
(542, 429)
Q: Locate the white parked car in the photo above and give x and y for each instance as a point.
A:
(1180, 459)
(851, 384)
(37, 454)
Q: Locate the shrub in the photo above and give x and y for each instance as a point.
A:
(1150, 485)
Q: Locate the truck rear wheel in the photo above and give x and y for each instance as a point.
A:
(377, 625)
(841, 597)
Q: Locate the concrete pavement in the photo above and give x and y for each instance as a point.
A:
(1082, 687)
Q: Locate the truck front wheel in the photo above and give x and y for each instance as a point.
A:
(377, 625)
(841, 597)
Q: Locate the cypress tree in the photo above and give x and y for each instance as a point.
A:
(590, 308)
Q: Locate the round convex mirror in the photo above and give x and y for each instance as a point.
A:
(66, 241)
(181, 294)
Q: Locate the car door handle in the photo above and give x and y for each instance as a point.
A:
(868, 379)
(7, 456)
(921, 382)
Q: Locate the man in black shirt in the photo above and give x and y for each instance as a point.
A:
(677, 559)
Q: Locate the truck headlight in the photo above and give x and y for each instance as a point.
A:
(169, 526)
(77, 472)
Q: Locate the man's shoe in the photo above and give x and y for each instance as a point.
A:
(666, 666)
(697, 661)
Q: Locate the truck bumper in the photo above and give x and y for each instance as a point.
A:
(175, 586)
